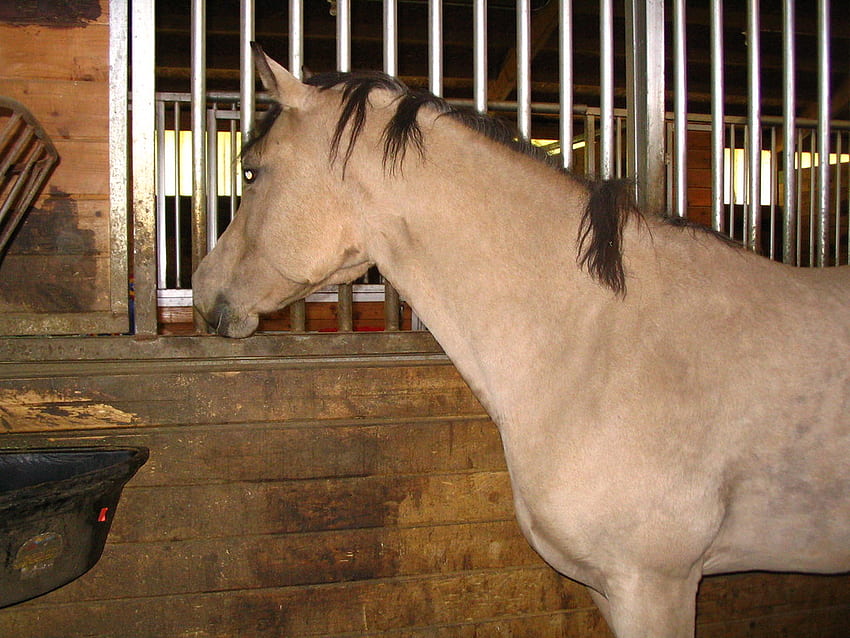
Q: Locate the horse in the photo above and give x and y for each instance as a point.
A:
(670, 405)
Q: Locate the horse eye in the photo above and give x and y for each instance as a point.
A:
(249, 175)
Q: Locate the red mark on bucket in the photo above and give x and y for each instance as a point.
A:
(101, 518)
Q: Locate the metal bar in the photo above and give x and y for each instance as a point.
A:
(523, 67)
(343, 35)
(837, 201)
(161, 239)
(606, 98)
(178, 233)
(645, 77)
(753, 230)
(212, 177)
(680, 110)
(565, 75)
(813, 150)
(246, 67)
(298, 309)
(733, 187)
(296, 38)
(479, 38)
(391, 297)
(798, 173)
(774, 176)
(789, 108)
(199, 154)
(391, 37)
(717, 127)
(822, 229)
(143, 148)
(235, 172)
(435, 46)
(343, 63)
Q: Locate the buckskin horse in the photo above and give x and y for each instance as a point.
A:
(670, 405)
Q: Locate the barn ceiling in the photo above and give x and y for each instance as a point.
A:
(172, 48)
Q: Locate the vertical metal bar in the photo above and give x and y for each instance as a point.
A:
(680, 109)
(645, 78)
(246, 67)
(235, 172)
(392, 303)
(733, 187)
(479, 54)
(345, 321)
(523, 64)
(837, 201)
(822, 245)
(298, 309)
(178, 175)
(606, 97)
(343, 35)
(144, 176)
(296, 38)
(753, 230)
(161, 244)
(789, 109)
(391, 37)
(798, 174)
(435, 46)
(212, 177)
(774, 173)
(199, 155)
(717, 128)
(813, 149)
(565, 74)
(119, 165)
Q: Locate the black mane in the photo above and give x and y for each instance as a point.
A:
(609, 204)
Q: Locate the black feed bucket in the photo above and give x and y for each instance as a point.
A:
(56, 507)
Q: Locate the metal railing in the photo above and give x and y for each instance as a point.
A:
(805, 219)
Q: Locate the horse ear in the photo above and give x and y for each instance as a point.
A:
(283, 86)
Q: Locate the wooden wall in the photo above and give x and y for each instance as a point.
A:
(338, 485)
(57, 277)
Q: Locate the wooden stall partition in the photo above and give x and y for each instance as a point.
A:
(335, 485)
(66, 270)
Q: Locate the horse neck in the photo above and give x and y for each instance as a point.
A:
(481, 242)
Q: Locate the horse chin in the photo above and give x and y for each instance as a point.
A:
(239, 328)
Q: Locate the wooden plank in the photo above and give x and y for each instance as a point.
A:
(83, 169)
(54, 284)
(226, 510)
(168, 397)
(260, 562)
(34, 52)
(271, 452)
(360, 608)
(62, 225)
(66, 110)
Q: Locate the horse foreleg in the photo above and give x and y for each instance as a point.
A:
(650, 606)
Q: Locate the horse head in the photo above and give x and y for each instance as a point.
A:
(296, 230)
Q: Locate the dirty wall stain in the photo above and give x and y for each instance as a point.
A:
(39, 411)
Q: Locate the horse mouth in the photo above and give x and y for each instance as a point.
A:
(224, 321)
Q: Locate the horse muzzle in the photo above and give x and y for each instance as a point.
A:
(224, 320)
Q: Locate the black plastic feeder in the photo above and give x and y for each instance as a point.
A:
(56, 507)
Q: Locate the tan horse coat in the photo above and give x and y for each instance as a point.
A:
(697, 424)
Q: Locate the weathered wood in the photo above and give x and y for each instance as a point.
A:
(293, 490)
(75, 56)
